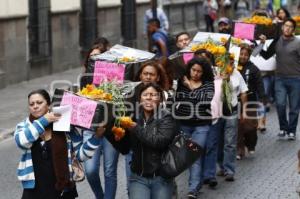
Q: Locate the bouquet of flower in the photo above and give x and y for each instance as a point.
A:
(297, 30)
(110, 92)
(260, 20)
(216, 48)
(225, 68)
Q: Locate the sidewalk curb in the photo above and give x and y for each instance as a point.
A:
(7, 133)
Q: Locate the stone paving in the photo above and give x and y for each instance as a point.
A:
(271, 173)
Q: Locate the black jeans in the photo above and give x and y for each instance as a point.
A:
(209, 23)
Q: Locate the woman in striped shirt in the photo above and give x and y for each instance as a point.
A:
(45, 168)
(193, 104)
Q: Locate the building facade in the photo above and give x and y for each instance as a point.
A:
(41, 37)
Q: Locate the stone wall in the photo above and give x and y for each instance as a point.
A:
(14, 64)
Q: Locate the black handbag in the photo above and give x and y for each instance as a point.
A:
(179, 156)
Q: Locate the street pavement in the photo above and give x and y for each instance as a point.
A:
(269, 174)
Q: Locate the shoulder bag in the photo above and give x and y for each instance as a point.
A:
(179, 156)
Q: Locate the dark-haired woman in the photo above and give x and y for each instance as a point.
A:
(247, 131)
(281, 15)
(106, 150)
(45, 167)
(99, 46)
(193, 104)
(148, 138)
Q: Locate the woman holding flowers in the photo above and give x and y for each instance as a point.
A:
(45, 167)
(247, 132)
(193, 104)
(148, 138)
(110, 155)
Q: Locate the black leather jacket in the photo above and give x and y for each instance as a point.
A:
(148, 140)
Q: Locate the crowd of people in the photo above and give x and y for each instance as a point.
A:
(169, 96)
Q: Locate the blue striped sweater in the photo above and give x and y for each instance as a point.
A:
(28, 132)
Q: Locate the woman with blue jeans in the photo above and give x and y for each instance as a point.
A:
(110, 155)
(193, 98)
(92, 168)
(148, 137)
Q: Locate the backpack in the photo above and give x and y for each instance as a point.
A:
(171, 42)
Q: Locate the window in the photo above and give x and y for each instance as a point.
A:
(39, 29)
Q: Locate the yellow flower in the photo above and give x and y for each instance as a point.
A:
(239, 67)
(229, 69)
(126, 59)
(223, 40)
(259, 20)
(297, 19)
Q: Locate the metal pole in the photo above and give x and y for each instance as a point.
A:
(88, 24)
(128, 22)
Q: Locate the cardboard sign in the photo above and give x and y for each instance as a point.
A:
(106, 71)
(187, 57)
(244, 31)
(83, 109)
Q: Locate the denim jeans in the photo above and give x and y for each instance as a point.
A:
(128, 158)
(198, 135)
(92, 167)
(150, 188)
(287, 88)
(268, 82)
(210, 157)
(228, 144)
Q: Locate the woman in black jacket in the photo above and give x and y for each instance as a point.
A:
(247, 132)
(148, 138)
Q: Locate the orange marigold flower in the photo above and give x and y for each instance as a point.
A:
(126, 122)
(223, 40)
(229, 69)
(118, 132)
(90, 87)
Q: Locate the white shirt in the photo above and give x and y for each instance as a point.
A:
(238, 86)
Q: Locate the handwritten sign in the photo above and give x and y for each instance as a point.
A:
(244, 31)
(83, 109)
(187, 57)
(106, 71)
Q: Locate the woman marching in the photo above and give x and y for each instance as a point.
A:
(247, 132)
(45, 167)
(193, 104)
(148, 138)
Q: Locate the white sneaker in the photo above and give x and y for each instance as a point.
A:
(281, 134)
(291, 136)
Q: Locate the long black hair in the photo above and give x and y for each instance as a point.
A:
(207, 75)
(287, 14)
(41, 92)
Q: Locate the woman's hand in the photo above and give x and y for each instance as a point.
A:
(133, 124)
(187, 82)
(100, 131)
(52, 117)
(262, 38)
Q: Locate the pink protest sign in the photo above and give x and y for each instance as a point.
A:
(187, 57)
(83, 110)
(244, 31)
(105, 71)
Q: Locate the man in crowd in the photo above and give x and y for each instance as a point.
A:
(287, 77)
(183, 39)
(159, 38)
(224, 25)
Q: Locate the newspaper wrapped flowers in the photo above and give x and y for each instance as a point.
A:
(260, 20)
(110, 92)
(212, 46)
